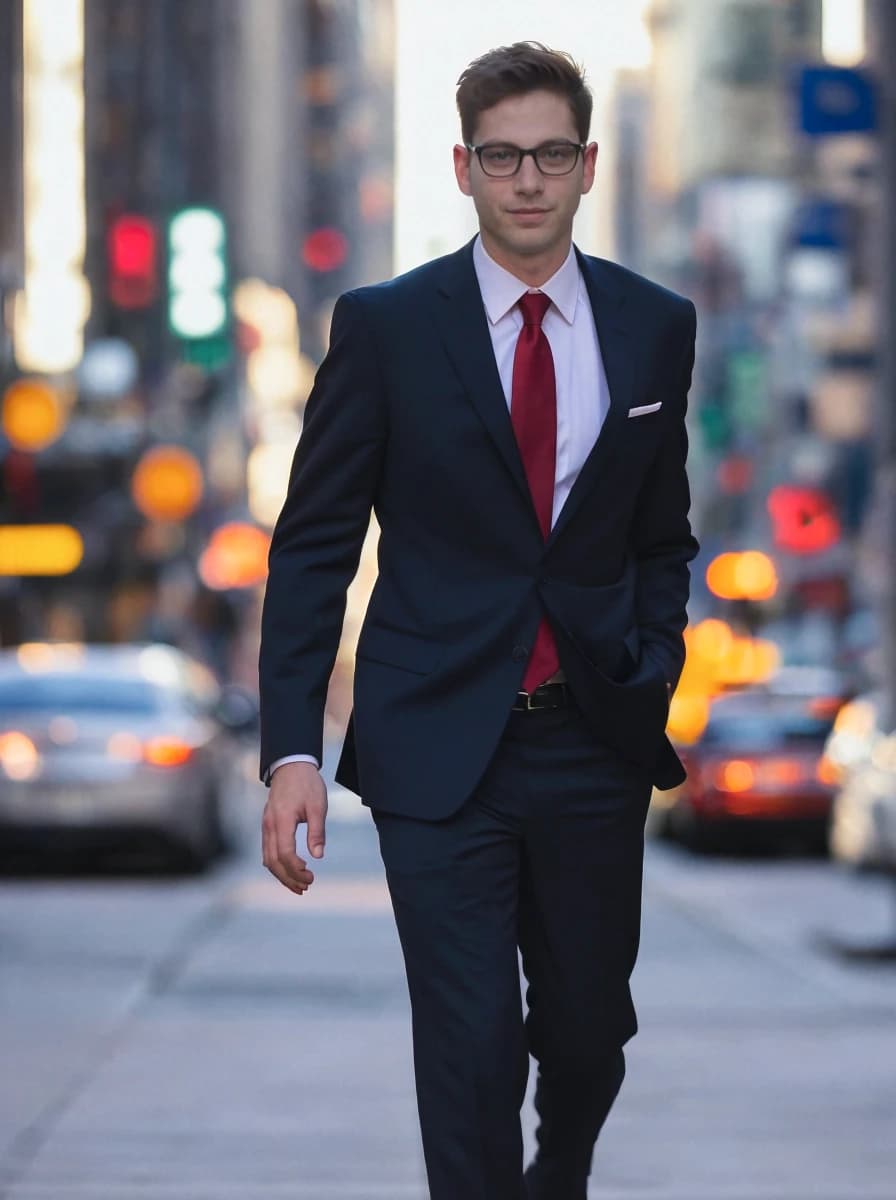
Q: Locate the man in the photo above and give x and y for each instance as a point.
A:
(514, 415)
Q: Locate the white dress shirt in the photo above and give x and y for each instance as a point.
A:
(583, 398)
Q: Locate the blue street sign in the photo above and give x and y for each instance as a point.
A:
(821, 223)
(836, 100)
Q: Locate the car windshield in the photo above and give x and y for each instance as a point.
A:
(80, 693)
(762, 730)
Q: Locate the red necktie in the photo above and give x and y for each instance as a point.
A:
(533, 413)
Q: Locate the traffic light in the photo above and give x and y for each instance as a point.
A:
(325, 249)
(198, 302)
(804, 520)
(132, 248)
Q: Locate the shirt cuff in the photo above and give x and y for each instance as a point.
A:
(278, 762)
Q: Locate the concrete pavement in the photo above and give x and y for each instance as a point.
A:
(183, 1040)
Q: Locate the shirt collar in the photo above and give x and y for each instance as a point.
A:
(501, 290)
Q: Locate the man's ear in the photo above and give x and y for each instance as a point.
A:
(462, 158)
(589, 159)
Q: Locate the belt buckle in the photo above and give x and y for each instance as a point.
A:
(526, 697)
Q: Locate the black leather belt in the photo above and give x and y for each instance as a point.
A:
(547, 695)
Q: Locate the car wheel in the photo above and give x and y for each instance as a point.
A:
(194, 856)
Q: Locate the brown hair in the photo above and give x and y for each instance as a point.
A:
(514, 71)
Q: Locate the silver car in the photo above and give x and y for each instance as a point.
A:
(113, 743)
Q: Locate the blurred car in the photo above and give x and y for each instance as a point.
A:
(105, 745)
(861, 753)
(759, 762)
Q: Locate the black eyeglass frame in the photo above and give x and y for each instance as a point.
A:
(579, 147)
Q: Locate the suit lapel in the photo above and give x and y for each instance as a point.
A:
(607, 304)
(462, 323)
(463, 327)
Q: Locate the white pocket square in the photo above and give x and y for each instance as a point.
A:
(643, 409)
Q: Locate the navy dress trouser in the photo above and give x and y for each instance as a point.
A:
(545, 858)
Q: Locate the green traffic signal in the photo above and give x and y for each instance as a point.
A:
(198, 307)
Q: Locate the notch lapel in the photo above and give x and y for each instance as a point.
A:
(616, 346)
(462, 323)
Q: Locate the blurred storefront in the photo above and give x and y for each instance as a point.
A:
(209, 146)
(752, 184)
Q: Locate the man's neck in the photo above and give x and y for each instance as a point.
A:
(533, 271)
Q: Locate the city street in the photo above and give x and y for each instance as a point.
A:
(219, 1037)
(368, 357)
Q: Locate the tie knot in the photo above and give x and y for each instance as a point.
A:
(533, 306)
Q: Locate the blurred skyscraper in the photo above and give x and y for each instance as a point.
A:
(767, 222)
(10, 174)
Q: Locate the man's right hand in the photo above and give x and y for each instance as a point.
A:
(298, 794)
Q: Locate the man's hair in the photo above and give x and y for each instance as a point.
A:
(514, 71)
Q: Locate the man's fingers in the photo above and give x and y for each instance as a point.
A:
(291, 873)
(291, 870)
(279, 856)
(317, 834)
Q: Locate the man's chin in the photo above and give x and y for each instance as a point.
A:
(532, 243)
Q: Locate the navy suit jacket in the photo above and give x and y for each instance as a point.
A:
(407, 417)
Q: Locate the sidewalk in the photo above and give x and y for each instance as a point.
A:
(257, 1046)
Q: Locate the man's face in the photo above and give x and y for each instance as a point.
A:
(526, 219)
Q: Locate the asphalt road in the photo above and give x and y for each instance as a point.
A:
(165, 1039)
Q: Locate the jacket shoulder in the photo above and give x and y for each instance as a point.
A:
(408, 285)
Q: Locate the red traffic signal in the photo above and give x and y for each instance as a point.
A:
(804, 520)
(133, 262)
(325, 249)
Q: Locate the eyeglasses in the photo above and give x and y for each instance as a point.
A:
(501, 160)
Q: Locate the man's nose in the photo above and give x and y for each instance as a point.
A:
(528, 178)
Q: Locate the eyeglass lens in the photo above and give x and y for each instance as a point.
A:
(556, 158)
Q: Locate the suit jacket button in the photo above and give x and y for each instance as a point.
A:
(520, 653)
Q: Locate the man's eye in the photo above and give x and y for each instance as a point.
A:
(556, 153)
(499, 154)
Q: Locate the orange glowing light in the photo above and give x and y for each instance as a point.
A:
(236, 557)
(756, 576)
(749, 575)
(721, 576)
(782, 772)
(828, 772)
(711, 640)
(748, 661)
(33, 415)
(40, 549)
(167, 752)
(167, 483)
(688, 716)
(737, 775)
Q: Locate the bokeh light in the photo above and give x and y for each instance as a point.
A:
(33, 415)
(167, 483)
(40, 549)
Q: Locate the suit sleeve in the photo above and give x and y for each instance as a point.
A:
(664, 544)
(317, 541)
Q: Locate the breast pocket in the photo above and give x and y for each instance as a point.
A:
(395, 648)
